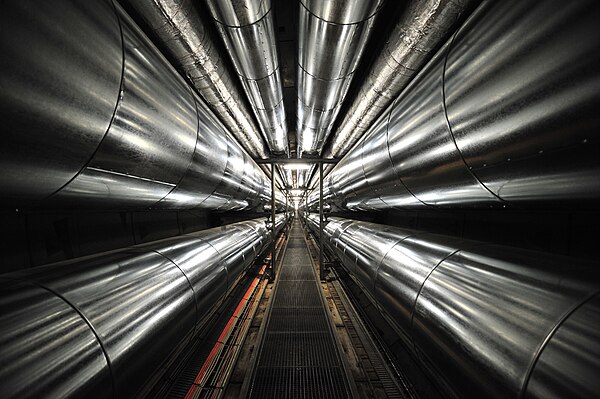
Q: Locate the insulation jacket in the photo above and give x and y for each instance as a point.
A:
(424, 26)
(181, 32)
(246, 27)
(101, 326)
(332, 38)
(485, 320)
(108, 123)
(504, 114)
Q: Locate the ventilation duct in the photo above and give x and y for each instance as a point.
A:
(486, 321)
(246, 27)
(332, 38)
(108, 123)
(425, 25)
(503, 114)
(102, 325)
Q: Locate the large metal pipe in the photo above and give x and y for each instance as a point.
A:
(101, 326)
(247, 29)
(180, 31)
(424, 26)
(96, 117)
(504, 114)
(332, 37)
(485, 320)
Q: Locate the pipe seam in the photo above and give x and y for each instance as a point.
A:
(117, 104)
(447, 120)
(244, 25)
(389, 153)
(83, 317)
(342, 24)
(548, 339)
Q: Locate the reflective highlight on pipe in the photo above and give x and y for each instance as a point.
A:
(247, 29)
(109, 123)
(423, 27)
(332, 37)
(179, 29)
(503, 114)
(484, 320)
(100, 326)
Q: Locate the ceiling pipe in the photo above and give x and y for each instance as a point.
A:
(503, 115)
(332, 37)
(102, 326)
(109, 124)
(181, 33)
(246, 27)
(485, 321)
(424, 26)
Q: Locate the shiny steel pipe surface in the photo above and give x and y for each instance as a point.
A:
(424, 26)
(102, 325)
(104, 121)
(503, 114)
(484, 320)
(246, 27)
(332, 37)
(182, 33)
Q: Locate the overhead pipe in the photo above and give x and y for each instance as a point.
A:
(424, 26)
(331, 41)
(503, 115)
(103, 325)
(180, 31)
(246, 27)
(95, 117)
(484, 320)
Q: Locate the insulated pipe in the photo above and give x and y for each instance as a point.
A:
(485, 320)
(424, 26)
(102, 325)
(505, 113)
(332, 36)
(246, 27)
(95, 117)
(180, 31)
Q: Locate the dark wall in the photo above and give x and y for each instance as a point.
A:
(36, 238)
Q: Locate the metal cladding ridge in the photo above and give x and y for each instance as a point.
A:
(504, 114)
(101, 326)
(485, 321)
(180, 31)
(423, 27)
(246, 27)
(331, 40)
(108, 123)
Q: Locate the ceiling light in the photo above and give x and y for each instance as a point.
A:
(297, 166)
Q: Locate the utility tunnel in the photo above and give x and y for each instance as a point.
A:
(299, 199)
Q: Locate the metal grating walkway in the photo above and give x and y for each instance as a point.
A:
(299, 356)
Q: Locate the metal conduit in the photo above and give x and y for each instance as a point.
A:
(485, 320)
(332, 37)
(109, 123)
(424, 26)
(179, 29)
(246, 27)
(102, 325)
(489, 121)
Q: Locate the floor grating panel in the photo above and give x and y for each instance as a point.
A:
(298, 357)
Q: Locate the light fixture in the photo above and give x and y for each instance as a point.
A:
(297, 166)
(296, 193)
